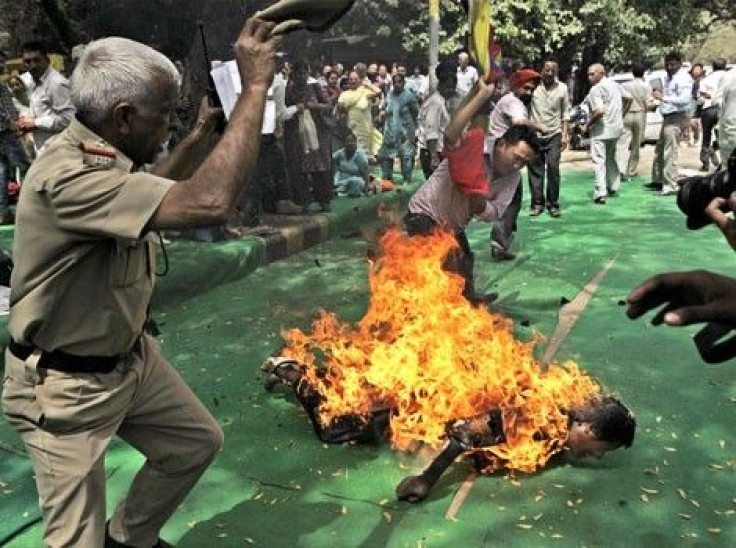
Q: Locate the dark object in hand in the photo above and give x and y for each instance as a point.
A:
(463, 435)
(697, 192)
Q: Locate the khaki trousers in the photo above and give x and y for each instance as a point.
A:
(605, 166)
(629, 144)
(664, 168)
(67, 422)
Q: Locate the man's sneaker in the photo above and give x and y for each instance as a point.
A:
(653, 186)
(669, 190)
(536, 211)
(499, 254)
(555, 212)
(600, 200)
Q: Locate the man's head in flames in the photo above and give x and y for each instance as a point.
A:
(600, 425)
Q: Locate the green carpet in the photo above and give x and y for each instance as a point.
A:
(275, 485)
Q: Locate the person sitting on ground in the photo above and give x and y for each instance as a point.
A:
(352, 177)
(446, 202)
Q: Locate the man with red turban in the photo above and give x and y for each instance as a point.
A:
(511, 110)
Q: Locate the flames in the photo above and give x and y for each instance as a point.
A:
(428, 354)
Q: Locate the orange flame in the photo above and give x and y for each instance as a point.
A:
(425, 352)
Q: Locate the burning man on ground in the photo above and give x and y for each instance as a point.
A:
(477, 179)
(426, 368)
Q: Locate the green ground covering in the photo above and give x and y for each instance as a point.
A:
(275, 485)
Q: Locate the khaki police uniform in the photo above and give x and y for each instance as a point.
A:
(79, 369)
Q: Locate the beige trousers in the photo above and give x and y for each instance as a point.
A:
(605, 166)
(629, 144)
(665, 168)
(67, 422)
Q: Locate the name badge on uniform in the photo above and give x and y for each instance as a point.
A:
(98, 154)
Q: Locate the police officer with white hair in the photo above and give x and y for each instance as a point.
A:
(80, 369)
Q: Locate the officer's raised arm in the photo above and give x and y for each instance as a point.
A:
(208, 196)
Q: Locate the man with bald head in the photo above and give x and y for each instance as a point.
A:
(605, 124)
(80, 369)
(467, 75)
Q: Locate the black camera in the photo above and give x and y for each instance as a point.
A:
(697, 192)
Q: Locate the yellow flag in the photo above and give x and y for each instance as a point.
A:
(483, 49)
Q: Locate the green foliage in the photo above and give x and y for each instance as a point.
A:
(575, 31)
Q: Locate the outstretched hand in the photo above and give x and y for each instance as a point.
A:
(686, 298)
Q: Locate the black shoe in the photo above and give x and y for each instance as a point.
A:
(612, 193)
(653, 186)
(554, 212)
(535, 211)
(600, 200)
(112, 543)
(502, 254)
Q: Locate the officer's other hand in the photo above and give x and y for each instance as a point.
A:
(686, 298)
(255, 52)
(207, 117)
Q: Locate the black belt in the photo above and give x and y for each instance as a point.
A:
(68, 363)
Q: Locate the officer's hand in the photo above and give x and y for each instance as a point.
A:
(207, 117)
(688, 297)
(255, 52)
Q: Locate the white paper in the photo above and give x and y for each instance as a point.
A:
(227, 84)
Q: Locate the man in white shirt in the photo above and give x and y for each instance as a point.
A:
(434, 115)
(709, 111)
(726, 99)
(270, 191)
(674, 97)
(467, 76)
(605, 124)
(50, 101)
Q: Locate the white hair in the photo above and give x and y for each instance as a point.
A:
(117, 70)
